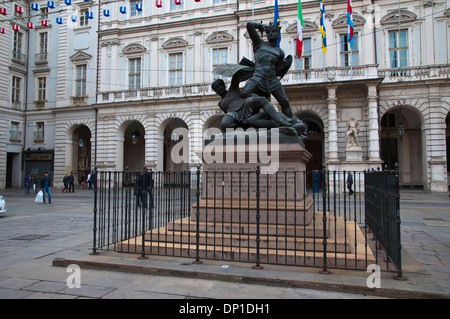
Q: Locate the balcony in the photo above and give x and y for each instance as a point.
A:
(416, 73)
(38, 136)
(296, 77)
(18, 57)
(40, 104)
(79, 100)
(15, 136)
(41, 58)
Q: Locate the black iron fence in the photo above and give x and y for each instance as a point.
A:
(242, 216)
(383, 214)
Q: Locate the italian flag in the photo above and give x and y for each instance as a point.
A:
(300, 26)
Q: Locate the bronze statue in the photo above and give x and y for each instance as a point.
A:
(269, 64)
(243, 107)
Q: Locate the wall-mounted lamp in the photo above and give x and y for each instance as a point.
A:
(401, 129)
(80, 142)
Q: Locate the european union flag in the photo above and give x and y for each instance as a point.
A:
(276, 20)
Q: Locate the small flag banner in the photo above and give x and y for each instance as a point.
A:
(323, 30)
(68, 2)
(350, 22)
(51, 4)
(123, 9)
(2, 30)
(35, 6)
(300, 26)
(19, 9)
(139, 6)
(3, 11)
(30, 25)
(59, 20)
(15, 27)
(177, 2)
(44, 23)
(276, 20)
(158, 3)
(106, 12)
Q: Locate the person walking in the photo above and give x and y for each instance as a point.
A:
(66, 183)
(46, 186)
(28, 182)
(71, 183)
(350, 183)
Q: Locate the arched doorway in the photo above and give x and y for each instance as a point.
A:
(314, 144)
(176, 146)
(401, 143)
(81, 151)
(212, 123)
(134, 146)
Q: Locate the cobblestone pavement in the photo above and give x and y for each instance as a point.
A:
(32, 235)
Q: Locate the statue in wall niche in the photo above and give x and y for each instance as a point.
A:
(352, 132)
(250, 106)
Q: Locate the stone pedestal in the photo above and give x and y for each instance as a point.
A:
(230, 178)
(353, 154)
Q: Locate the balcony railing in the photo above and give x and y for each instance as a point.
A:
(295, 77)
(79, 100)
(416, 73)
(18, 57)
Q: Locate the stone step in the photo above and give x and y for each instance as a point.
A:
(229, 241)
(314, 229)
(244, 254)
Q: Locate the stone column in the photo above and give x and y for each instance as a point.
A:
(332, 126)
(374, 138)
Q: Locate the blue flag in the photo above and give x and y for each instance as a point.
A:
(276, 20)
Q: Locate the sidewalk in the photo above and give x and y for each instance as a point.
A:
(425, 241)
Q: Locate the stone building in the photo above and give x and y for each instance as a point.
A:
(116, 87)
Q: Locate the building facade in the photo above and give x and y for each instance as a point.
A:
(110, 91)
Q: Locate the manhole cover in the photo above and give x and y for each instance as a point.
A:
(30, 237)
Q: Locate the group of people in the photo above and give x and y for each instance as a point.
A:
(44, 183)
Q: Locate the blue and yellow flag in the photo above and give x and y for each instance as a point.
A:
(276, 20)
(323, 30)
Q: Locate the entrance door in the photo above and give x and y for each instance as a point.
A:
(389, 152)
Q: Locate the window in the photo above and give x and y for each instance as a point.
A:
(15, 133)
(345, 50)
(175, 68)
(220, 56)
(17, 45)
(174, 6)
(43, 46)
(80, 86)
(44, 13)
(133, 11)
(15, 90)
(398, 48)
(39, 131)
(134, 73)
(84, 21)
(305, 62)
(42, 85)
